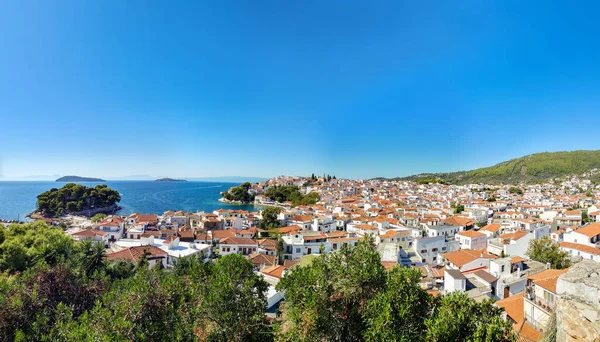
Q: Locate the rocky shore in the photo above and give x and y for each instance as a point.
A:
(36, 215)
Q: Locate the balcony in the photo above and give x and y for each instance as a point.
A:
(544, 304)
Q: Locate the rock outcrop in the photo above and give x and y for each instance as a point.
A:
(578, 306)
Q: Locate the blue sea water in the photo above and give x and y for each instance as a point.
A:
(18, 199)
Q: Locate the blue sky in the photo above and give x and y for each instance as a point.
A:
(262, 88)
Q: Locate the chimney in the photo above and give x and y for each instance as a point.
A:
(518, 272)
(548, 265)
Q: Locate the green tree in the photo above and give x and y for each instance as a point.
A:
(279, 247)
(459, 208)
(269, 217)
(326, 300)
(457, 318)
(98, 217)
(547, 251)
(515, 190)
(398, 313)
(93, 256)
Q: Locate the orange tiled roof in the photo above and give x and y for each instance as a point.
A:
(590, 231)
(580, 247)
(470, 233)
(464, 256)
(513, 307)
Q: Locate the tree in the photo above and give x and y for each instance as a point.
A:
(348, 296)
(398, 313)
(515, 190)
(326, 300)
(98, 217)
(457, 318)
(93, 257)
(547, 251)
(279, 247)
(269, 217)
(459, 208)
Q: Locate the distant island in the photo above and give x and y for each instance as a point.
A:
(170, 180)
(77, 199)
(79, 179)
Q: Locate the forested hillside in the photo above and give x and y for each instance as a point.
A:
(529, 169)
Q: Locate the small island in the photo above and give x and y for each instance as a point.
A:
(79, 179)
(77, 199)
(170, 180)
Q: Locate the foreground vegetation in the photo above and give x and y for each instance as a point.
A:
(54, 289)
(76, 197)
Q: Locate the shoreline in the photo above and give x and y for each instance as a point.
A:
(113, 209)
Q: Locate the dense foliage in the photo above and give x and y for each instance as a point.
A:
(529, 169)
(68, 291)
(269, 218)
(349, 296)
(76, 197)
(291, 193)
(515, 190)
(57, 289)
(239, 194)
(547, 251)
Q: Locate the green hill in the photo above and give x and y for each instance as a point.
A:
(528, 169)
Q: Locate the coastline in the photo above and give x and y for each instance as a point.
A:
(226, 201)
(36, 215)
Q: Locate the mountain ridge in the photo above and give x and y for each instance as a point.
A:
(531, 168)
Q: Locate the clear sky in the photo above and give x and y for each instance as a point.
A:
(262, 88)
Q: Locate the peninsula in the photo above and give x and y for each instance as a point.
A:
(79, 179)
(170, 180)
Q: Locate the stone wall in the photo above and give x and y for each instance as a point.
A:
(578, 308)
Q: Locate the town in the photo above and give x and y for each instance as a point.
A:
(474, 238)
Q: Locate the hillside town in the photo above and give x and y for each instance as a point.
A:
(472, 238)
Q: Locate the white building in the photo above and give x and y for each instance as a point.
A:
(471, 239)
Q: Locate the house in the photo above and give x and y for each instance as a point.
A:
(235, 245)
(262, 260)
(514, 244)
(428, 249)
(491, 230)
(471, 239)
(540, 298)
(113, 225)
(272, 275)
(298, 245)
(588, 235)
(454, 281)
(464, 223)
(362, 229)
(467, 260)
(325, 225)
(92, 234)
(446, 230)
(514, 313)
(512, 273)
(153, 254)
(584, 251)
(302, 221)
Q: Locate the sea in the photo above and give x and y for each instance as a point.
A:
(17, 199)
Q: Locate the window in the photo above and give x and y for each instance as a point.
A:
(423, 251)
(502, 270)
(434, 250)
(443, 248)
(297, 250)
